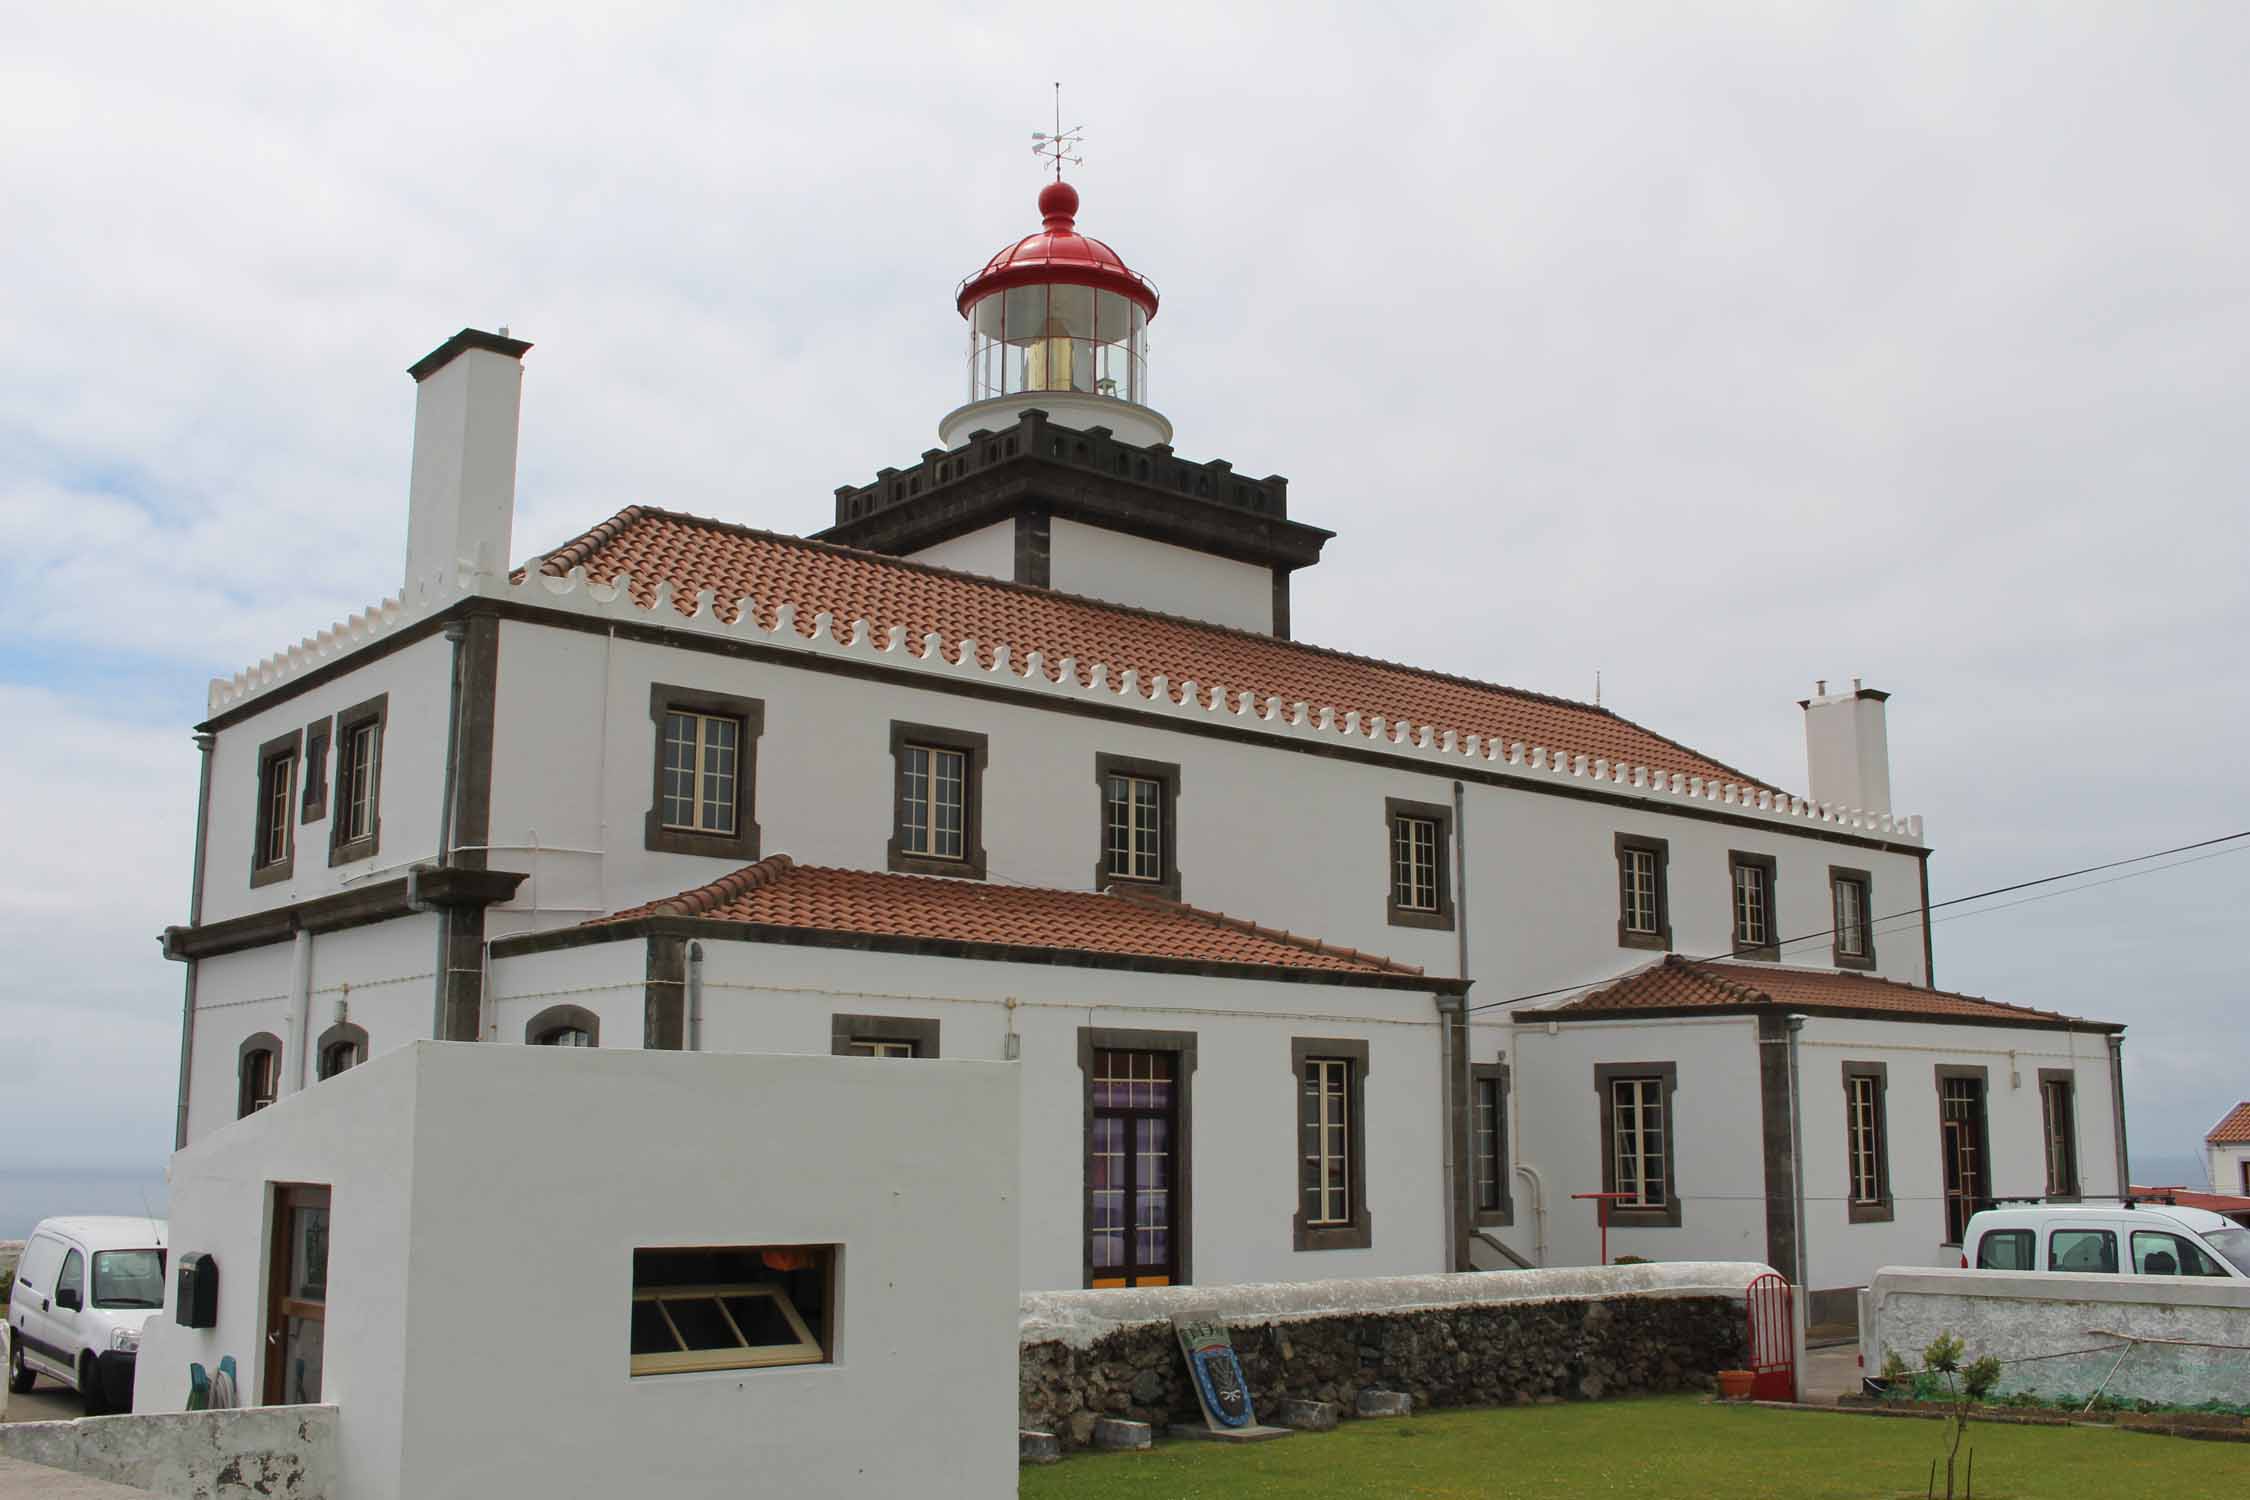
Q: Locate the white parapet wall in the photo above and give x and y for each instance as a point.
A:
(1078, 1319)
(2172, 1340)
(210, 1455)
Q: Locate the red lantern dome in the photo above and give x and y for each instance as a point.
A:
(1058, 254)
(1058, 323)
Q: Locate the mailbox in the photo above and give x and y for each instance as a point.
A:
(197, 1305)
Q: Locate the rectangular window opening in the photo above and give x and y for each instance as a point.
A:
(1414, 863)
(701, 759)
(732, 1308)
(2059, 1105)
(1328, 1142)
(1961, 1127)
(1756, 934)
(1637, 1122)
(1865, 1147)
(277, 784)
(933, 802)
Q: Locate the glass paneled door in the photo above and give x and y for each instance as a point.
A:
(1132, 1167)
(297, 1295)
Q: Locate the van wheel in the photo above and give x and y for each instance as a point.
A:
(20, 1378)
(90, 1386)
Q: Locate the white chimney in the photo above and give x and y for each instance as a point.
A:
(1847, 748)
(461, 498)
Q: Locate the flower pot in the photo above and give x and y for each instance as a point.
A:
(1734, 1385)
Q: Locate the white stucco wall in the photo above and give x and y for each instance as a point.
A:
(417, 678)
(1844, 1254)
(1542, 903)
(990, 550)
(1242, 1135)
(1719, 1166)
(487, 1201)
(1104, 564)
(2026, 1319)
(2228, 1167)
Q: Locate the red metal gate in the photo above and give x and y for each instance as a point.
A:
(1773, 1339)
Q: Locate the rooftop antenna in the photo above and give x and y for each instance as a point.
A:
(1062, 145)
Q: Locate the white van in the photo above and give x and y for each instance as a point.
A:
(83, 1289)
(2107, 1238)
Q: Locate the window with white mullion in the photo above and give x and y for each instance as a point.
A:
(1638, 1122)
(1414, 859)
(361, 745)
(1866, 1158)
(1328, 1141)
(1136, 827)
(1750, 904)
(701, 763)
(1851, 918)
(1639, 869)
(933, 802)
(281, 783)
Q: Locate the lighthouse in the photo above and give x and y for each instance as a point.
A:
(1057, 473)
(1059, 322)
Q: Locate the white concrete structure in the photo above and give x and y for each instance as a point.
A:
(1075, 647)
(2173, 1340)
(480, 1269)
(2227, 1151)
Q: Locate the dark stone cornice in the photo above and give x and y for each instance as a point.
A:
(427, 889)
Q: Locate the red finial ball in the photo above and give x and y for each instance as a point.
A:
(1058, 200)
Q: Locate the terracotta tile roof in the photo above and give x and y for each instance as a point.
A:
(2234, 1129)
(736, 562)
(1679, 983)
(779, 892)
(2233, 1205)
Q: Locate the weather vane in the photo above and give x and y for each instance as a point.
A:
(1061, 146)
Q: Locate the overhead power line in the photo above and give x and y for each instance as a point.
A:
(1916, 911)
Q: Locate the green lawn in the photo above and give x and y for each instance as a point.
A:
(1650, 1450)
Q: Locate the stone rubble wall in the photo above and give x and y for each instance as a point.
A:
(1471, 1339)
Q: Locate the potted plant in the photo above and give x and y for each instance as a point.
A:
(1734, 1385)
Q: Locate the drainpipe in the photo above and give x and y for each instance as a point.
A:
(695, 997)
(1538, 1210)
(1802, 1302)
(203, 744)
(300, 1007)
(457, 632)
(1457, 1058)
(2116, 1109)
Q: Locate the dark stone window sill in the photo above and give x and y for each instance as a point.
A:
(1357, 1236)
(273, 874)
(1846, 961)
(903, 863)
(1654, 942)
(1433, 921)
(1870, 1213)
(356, 849)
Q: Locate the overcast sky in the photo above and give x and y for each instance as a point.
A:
(1716, 353)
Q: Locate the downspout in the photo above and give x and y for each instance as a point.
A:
(1538, 1210)
(1458, 1071)
(2116, 1108)
(695, 997)
(1801, 1303)
(203, 744)
(300, 1007)
(457, 632)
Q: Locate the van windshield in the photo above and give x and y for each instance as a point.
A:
(128, 1278)
(2234, 1244)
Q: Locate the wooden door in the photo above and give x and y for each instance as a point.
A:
(296, 1295)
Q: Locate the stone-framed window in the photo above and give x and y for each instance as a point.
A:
(1851, 901)
(1644, 905)
(1639, 1144)
(355, 825)
(1331, 1081)
(273, 845)
(1867, 1143)
(564, 1026)
(882, 1036)
(937, 800)
(342, 1047)
(1752, 882)
(1137, 1210)
(2058, 1111)
(1139, 828)
(703, 792)
(1489, 1197)
(257, 1072)
(1418, 845)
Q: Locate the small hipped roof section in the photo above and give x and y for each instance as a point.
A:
(1677, 986)
(779, 900)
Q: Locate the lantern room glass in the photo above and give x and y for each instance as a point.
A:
(1058, 337)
